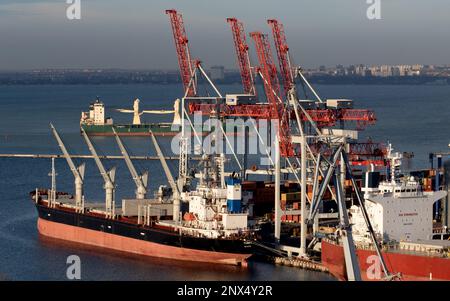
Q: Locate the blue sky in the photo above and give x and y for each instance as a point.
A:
(136, 33)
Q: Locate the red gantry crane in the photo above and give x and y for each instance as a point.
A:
(362, 117)
(324, 117)
(183, 53)
(240, 43)
(276, 108)
(282, 49)
(272, 89)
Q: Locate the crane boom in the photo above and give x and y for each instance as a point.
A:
(140, 181)
(75, 171)
(182, 48)
(99, 163)
(282, 49)
(170, 179)
(272, 90)
(240, 43)
(108, 177)
(78, 172)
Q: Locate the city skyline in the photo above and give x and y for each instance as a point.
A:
(136, 34)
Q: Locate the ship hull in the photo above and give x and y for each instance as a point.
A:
(146, 241)
(157, 129)
(412, 267)
(131, 130)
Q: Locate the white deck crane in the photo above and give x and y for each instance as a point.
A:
(139, 180)
(173, 185)
(108, 178)
(78, 172)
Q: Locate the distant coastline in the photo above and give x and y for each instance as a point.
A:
(99, 77)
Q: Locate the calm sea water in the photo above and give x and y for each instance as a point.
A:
(413, 118)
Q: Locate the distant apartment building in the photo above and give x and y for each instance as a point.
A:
(340, 70)
(361, 70)
(217, 72)
(396, 71)
(386, 70)
(380, 70)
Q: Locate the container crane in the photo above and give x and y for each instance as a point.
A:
(361, 116)
(108, 178)
(277, 108)
(240, 44)
(282, 49)
(78, 172)
(183, 53)
(139, 180)
(322, 117)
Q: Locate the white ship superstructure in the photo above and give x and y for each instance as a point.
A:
(398, 208)
(95, 115)
(217, 207)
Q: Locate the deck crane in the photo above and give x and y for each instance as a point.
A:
(170, 179)
(139, 180)
(183, 53)
(278, 111)
(78, 172)
(240, 43)
(108, 178)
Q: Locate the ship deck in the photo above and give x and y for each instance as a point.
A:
(92, 206)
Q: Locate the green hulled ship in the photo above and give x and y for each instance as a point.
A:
(158, 129)
(94, 122)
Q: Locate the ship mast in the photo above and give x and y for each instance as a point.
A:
(52, 196)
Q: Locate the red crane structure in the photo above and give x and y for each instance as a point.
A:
(183, 53)
(276, 108)
(272, 89)
(283, 54)
(361, 116)
(322, 117)
(240, 43)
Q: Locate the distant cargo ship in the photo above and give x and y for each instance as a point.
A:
(94, 122)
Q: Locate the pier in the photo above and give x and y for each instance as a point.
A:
(111, 157)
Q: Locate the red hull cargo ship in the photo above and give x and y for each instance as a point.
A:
(401, 212)
(429, 264)
(206, 223)
(125, 234)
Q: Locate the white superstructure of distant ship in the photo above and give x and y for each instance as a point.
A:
(399, 209)
(96, 113)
